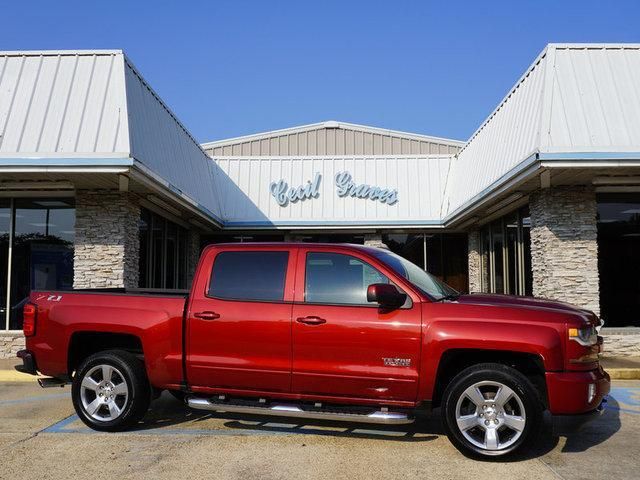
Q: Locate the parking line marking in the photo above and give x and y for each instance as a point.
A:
(628, 399)
(59, 426)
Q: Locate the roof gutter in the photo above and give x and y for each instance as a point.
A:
(157, 184)
(524, 171)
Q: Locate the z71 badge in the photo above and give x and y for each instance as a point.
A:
(397, 362)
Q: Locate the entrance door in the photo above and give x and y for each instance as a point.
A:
(239, 324)
(344, 345)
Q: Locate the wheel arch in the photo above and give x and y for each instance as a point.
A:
(456, 360)
(85, 343)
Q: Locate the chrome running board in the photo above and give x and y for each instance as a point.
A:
(47, 382)
(290, 410)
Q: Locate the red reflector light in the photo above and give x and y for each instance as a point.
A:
(29, 320)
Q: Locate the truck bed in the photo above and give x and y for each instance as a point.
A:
(154, 316)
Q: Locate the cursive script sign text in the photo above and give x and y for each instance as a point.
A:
(347, 187)
(283, 194)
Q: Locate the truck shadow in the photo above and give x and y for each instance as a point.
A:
(595, 432)
(169, 412)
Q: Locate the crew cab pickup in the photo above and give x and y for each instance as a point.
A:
(321, 331)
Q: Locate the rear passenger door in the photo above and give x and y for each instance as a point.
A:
(239, 321)
(343, 345)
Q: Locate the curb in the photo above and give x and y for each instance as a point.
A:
(615, 373)
(624, 373)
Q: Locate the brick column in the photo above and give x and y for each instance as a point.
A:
(107, 245)
(564, 245)
(475, 266)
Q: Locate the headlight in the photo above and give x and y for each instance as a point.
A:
(585, 336)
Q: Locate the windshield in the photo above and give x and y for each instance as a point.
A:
(426, 282)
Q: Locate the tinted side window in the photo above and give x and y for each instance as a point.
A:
(339, 279)
(249, 275)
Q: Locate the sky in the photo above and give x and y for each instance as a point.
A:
(230, 68)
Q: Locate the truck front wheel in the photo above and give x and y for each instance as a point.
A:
(491, 410)
(110, 391)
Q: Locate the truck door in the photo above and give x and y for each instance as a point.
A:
(239, 320)
(344, 345)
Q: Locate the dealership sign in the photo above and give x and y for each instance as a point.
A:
(345, 187)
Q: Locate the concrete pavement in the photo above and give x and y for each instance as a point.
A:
(40, 437)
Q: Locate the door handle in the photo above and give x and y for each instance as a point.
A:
(311, 320)
(206, 315)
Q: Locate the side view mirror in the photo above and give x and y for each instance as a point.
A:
(385, 295)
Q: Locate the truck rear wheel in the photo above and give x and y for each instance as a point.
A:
(491, 410)
(110, 391)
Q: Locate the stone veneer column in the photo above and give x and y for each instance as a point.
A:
(193, 254)
(374, 240)
(107, 245)
(564, 245)
(10, 343)
(475, 266)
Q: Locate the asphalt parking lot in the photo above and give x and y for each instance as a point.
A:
(41, 438)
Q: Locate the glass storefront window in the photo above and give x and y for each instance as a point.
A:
(5, 233)
(619, 258)
(37, 247)
(512, 251)
(408, 245)
(444, 255)
(506, 254)
(163, 252)
(144, 227)
(525, 224)
(497, 248)
(454, 261)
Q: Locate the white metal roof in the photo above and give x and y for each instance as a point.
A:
(91, 105)
(62, 103)
(575, 98)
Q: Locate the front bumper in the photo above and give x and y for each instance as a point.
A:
(28, 362)
(575, 393)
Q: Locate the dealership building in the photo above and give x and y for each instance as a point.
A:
(102, 186)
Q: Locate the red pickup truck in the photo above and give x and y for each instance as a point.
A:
(337, 332)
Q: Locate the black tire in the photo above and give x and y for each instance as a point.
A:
(526, 398)
(128, 372)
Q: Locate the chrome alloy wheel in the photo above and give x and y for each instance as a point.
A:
(104, 393)
(490, 415)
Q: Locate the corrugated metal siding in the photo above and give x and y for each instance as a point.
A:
(596, 100)
(331, 141)
(163, 145)
(507, 137)
(246, 196)
(62, 103)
